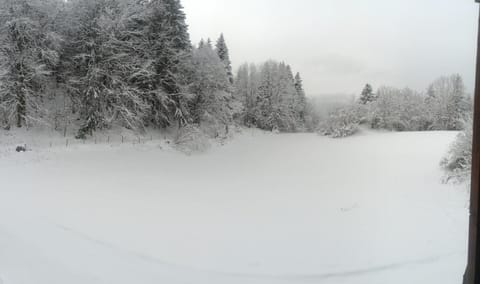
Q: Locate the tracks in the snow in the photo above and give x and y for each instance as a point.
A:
(374, 269)
(290, 277)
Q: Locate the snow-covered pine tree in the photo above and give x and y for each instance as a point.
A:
(211, 87)
(270, 96)
(301, 98)
(201, 44)
(246, 92)
(241, 82)
(367, 95)
(160, 35)
(275, 92)
(222, 51)
(254, 80)
(101, 67)
(289, 98)
(28, 56)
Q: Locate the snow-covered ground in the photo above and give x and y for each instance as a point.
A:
(264, 208)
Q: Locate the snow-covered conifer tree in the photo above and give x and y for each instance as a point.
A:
(301, 98)
(28, 57)
(102, 67)
(367, 95)
(222, 51)
(276, 89)
(246, 91)
(211, 87)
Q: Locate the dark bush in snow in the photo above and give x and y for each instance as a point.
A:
(21, 148)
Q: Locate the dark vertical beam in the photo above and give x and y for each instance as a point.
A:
(472, 273)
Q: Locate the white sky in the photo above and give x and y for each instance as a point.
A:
(339, 45)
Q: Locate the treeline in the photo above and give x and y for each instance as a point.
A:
(272, 97)
(444, 106)
(93, 64)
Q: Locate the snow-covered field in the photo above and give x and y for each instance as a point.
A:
(264, 208)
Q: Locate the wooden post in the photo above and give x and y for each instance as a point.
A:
(471, 274)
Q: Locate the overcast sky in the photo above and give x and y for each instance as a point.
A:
(339, 45)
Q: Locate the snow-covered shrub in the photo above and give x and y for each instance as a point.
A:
(190, 139)
(343, 122)
(458, 161)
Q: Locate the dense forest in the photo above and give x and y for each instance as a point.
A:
(81, 66)
(92, 64)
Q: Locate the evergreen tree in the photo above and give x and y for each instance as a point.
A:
(101, 68)
(177, 28)
(158, 32)
(222, 51)
(272, 98)
(201, 44)
(246, 87)
(211, 88)
(276, 90)
(367, 95)
(28, 56)
(301, 98)
(241, 89)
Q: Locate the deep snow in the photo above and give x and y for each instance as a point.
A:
(264, 208)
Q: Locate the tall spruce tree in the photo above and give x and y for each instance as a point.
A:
(101, 67)
(301, 104)
(28, 56)
(211, 106)
(167, 43)
(223, 53)
(158, 36)
(246, 91)
(275, 95)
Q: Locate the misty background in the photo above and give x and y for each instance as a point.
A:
(338, 46)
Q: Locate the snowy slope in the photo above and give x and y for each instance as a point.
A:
(290, 208)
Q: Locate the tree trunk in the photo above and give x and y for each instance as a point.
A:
(21, 109)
